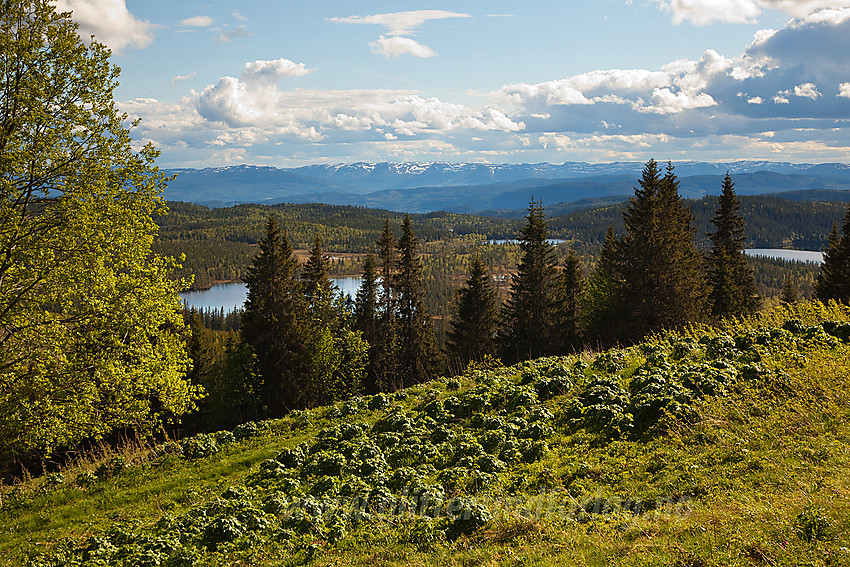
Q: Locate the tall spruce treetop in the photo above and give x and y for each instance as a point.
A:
(366, 301)
(531, 313)
(731, 279)
(834, 279)
(414, 328)
(387, 256)
(661, 268)
(90, 322)
(473, 331)
(572, 283)
(318, 287)
(602, 312)
(274, 319)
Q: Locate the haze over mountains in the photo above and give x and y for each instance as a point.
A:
(473, 187)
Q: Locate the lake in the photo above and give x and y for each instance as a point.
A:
(554, 241)
(782, 254)
(231, 296)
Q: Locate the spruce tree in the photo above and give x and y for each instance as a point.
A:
(661, 269)
(384, 362)
(731, 279)
(415, 333)
(273, 322)
(602, 312)
(319, 290)
(790, 294)
(366, 319)
(834, 279)
(473, 330)
(530, 321)
(572, 282)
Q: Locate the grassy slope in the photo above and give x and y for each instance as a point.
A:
(602, 459)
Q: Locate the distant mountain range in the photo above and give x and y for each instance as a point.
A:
(470, 188)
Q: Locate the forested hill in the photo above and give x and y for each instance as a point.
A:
(772, 222)
(219, 243)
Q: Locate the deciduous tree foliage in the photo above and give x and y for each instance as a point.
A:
(89, 322)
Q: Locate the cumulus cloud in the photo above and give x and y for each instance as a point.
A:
(789, 90)
(274, 70)
(400, 23)
(110, 22)
(197, 21)
(704, 12)
(396, 46)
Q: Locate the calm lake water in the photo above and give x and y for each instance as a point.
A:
(231, 296)
(798, 255)
(554, 241)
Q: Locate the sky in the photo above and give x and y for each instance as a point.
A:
(285, 83)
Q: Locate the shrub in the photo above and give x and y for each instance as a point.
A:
(811, 524)
(325, 463)
(378, 401)
(291, 458)
(548, 388)
(468, 515)
(111, 467)
(246, 431)
(223, 437)
(199, 446)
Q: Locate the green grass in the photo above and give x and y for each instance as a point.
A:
(629, 464)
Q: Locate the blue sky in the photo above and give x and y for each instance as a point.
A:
(291, 83)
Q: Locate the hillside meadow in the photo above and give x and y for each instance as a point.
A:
(711, 446)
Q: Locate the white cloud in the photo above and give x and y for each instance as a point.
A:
(665, 101)
(178, 78)
(229, 34)
(791, 82)
(396, 46)
(197, 21)
(704, 12)
(274, 70)
(110, 22)
(239, 17)
(807, 90)
(400, 23)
